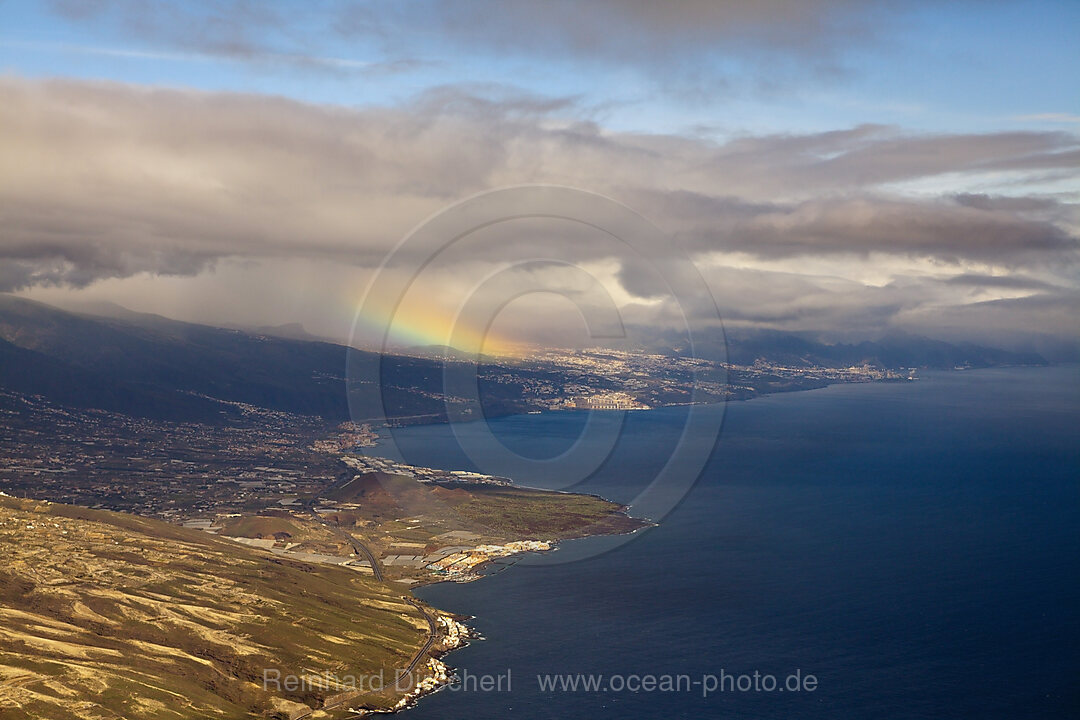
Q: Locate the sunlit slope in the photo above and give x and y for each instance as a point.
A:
(496, 512)
(104, 615)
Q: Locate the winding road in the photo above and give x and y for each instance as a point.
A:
(358, 547)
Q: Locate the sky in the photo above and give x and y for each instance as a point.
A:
(845, 170)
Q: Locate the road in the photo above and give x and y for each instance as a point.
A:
(349, 697)
(432, 630)
(358, 547)
(361, 549)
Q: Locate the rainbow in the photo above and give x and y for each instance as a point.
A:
(412, 325)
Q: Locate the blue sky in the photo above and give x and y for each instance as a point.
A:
(945, 67)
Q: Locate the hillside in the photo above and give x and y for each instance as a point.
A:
(149, 366)
(498, 513)
(108, 615)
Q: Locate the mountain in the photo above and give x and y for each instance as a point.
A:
(35, 373)
(289, 331)
(898, 350)
(150, 366)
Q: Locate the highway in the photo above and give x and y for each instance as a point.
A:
(358, 547)
(432, 630)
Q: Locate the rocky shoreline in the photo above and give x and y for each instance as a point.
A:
(459, 633)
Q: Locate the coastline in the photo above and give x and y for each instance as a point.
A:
(463, 633)
(440, 674)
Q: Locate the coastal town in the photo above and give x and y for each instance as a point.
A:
(610, 379)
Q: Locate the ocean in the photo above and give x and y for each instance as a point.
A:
(913, 547)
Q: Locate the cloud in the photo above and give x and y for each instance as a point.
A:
(863, 224)
(256, 33)
(982, 201)
(999, 281)
(871, 224)
(102, 181)
(1051, 313)
(681, 45)
(624, 28)
(875, 154)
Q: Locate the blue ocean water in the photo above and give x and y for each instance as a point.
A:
(914, 546)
